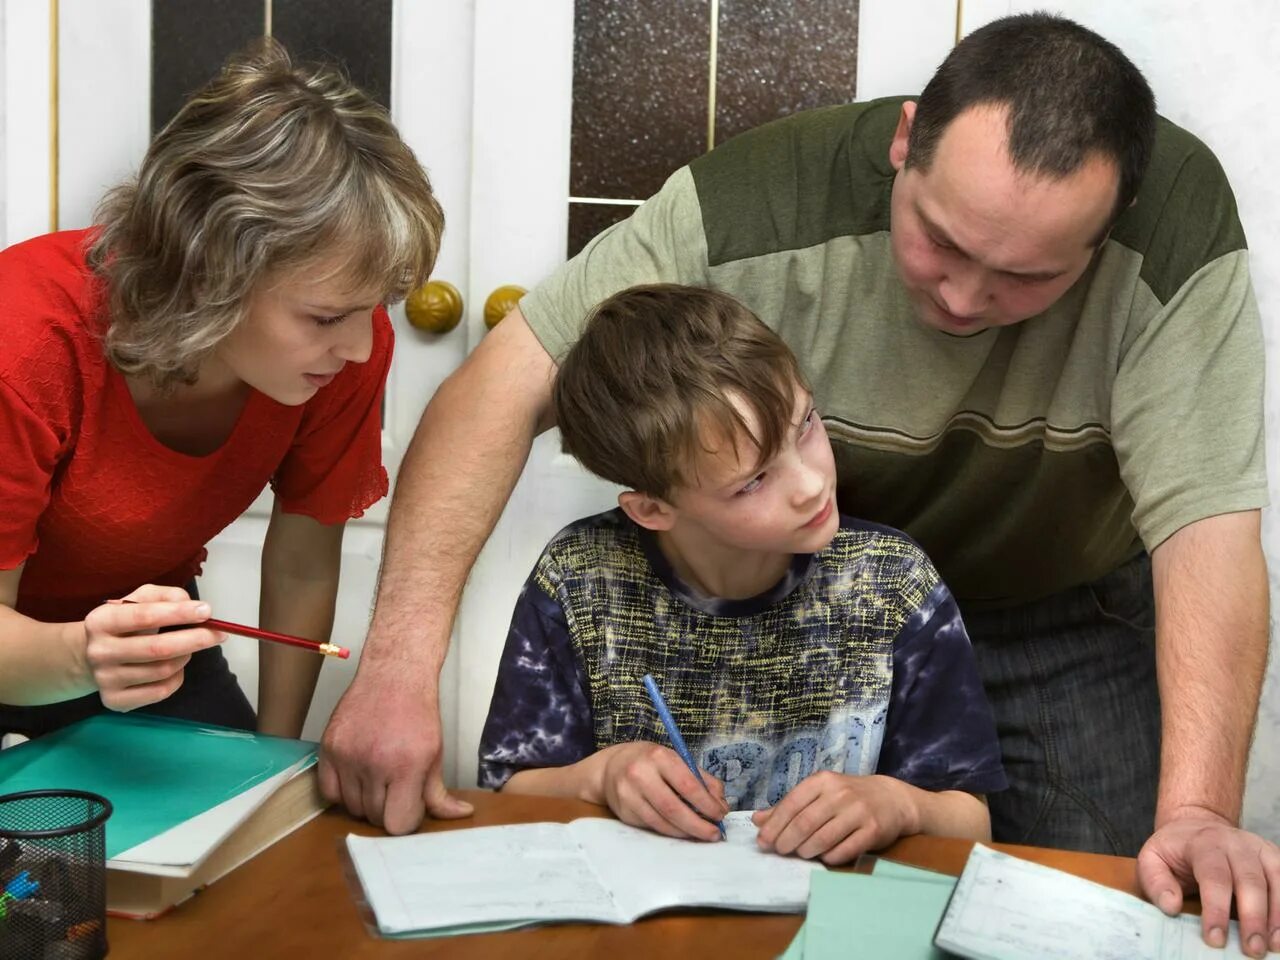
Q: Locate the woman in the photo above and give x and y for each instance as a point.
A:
(219, 329)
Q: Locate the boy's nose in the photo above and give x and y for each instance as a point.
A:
(812, 485)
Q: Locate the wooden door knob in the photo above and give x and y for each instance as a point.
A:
(435, 307)
(501, 302)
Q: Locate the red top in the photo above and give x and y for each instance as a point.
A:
(92, 501)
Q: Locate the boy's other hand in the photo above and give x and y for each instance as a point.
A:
(647, 785)
(836, 817)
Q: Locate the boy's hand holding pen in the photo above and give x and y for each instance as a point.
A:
(649, 785)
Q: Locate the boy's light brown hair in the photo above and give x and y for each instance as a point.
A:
(648, 386)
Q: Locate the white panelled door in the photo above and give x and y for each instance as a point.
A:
(482, 91)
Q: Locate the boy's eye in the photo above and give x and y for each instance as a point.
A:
(326, 321)
(752, 485)
(810, 419)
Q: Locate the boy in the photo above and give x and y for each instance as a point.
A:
(817, 665)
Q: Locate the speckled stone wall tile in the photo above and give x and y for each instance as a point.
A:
(190, 39)
(353, 33)
(588, 219)
(640, 79)
(778, 57)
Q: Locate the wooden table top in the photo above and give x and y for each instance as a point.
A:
(292, 901)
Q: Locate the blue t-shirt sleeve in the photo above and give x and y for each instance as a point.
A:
(540, 715)
(940, 733)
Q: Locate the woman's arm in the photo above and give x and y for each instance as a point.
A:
(115, 650)
(39, 662)
(301, 558)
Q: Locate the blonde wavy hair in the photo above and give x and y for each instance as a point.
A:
(272, 165)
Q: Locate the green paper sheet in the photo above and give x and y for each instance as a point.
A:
(852, 915)
(156, 772)
(840, 936)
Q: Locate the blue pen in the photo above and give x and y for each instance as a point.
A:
(673, 732)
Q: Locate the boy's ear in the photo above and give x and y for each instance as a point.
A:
(653, 513)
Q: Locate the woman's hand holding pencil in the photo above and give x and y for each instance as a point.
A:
(257, 633)
(132, 660)
(125, 656)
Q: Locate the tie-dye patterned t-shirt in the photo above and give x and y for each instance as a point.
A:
(856, 661)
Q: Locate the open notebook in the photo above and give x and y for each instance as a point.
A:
(190, 801)
(597, 870)
(1005, 908)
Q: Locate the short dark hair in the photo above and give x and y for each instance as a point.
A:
(1069, 93)
(651, 377)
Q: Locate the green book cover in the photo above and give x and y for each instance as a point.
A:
(846, 928)
(156, 772)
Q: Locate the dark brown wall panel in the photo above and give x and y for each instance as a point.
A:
(778, 57)
(190, 39)
(640, 78)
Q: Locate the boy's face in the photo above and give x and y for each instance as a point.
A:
(787, 505)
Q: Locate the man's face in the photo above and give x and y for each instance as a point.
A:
(979, 244)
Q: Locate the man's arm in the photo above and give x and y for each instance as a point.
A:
(301, 559)
(1210, 582)
(381, 753)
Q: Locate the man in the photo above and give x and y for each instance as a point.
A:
(1025, 308)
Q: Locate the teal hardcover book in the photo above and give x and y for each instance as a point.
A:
(156, 772)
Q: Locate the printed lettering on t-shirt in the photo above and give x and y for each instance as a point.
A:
(752, 769)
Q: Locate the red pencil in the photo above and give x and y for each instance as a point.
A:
(256, 633)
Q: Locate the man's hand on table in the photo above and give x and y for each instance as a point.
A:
(1198, 848)
(381, 752)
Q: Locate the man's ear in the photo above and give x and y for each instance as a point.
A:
(898, 146)
(652, 513)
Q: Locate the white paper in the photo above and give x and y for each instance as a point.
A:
(428, 881)
(1006, 908)
(592, 869)
(649, 872)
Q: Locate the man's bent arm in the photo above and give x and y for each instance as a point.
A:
(464, 461)
(1211, 593)
(1210, 582)
(382, 747)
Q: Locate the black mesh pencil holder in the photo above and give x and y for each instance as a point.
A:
(53, 875)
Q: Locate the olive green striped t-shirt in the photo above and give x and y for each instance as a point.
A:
(1024, 459)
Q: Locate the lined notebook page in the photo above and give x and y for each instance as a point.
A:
(648, 872)
(1006, 908)
(531, 872)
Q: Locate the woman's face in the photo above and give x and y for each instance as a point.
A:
(303, 325)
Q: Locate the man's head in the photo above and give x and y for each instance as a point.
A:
(686, 398)
(1025, 147)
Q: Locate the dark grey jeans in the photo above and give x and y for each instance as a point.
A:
(209, 694)
(1072, 682)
